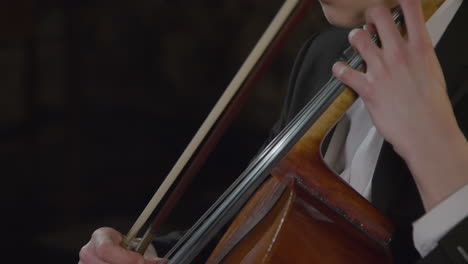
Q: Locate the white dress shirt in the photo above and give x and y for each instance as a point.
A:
(355, 146)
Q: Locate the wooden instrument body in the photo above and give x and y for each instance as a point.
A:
(316, 218)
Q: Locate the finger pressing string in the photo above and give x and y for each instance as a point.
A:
(350, 77)
(365, 46)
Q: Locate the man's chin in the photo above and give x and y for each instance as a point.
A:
(343, 22)
(341, 18)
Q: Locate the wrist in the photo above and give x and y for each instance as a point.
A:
(439, 164)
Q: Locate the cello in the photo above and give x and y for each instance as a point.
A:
(303, 213)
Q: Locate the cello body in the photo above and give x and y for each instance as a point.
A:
(305, 213)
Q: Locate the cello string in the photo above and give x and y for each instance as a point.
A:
(279, 20)
(211, 223)
(265, 159)
(221, 211)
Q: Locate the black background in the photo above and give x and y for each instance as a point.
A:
(98, 99)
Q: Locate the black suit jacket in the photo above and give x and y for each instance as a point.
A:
(394, 191)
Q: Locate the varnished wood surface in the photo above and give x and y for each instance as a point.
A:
(312, 233)
(304, 163)
(318, 220)
(299, 231)
(257, 243)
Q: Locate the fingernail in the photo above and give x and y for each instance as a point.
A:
(338, 69)
(352, 33)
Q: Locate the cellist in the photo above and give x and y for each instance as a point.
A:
(403, 144)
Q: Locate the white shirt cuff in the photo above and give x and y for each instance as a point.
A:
(431, 227)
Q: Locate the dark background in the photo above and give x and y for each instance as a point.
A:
(98, 99)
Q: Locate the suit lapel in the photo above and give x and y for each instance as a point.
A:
(453, 54)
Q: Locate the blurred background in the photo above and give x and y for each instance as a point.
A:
(99, 98)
